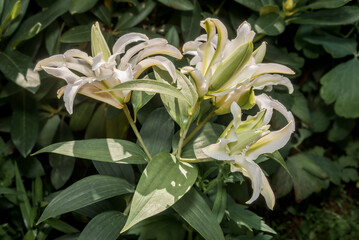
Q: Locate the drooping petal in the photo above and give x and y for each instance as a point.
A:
(260, 184)
(168, 50)
(272, 68)
(63, 73)
(120, 45)
(218, 150)
(155, 61)
(70, 93)
(271, 142)
(59, 58)
(75, 53)
(130, 53)
(265, 102)
(266, 80)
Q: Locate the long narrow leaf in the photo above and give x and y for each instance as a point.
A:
(164, 181)
(105, 150)
(105, 226)
(87, 191)
(193, 208)
(149, 86)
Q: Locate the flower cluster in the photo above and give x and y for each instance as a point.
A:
(90, 75)
(225, 72)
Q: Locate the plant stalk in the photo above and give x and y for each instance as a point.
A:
(135, 130)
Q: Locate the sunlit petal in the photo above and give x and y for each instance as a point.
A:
(218, 150)
(271, 142)
(272, 68)
(259, 53)
(201, 82)
(63, 73)
(160, 61)
(168, 50)
(120, 45)
(130, 53)
(265, 80)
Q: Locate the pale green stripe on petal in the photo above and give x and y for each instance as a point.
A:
(271, 142)
(272, 68)
(222, 35)
(168, 50)
(266, 80)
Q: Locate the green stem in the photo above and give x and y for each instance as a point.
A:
(214, 182)
(219, 7)
(183, 132)
(199, 127)
(196, 160)
(135, 130)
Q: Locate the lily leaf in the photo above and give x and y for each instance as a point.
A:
(164, 181)
(105, 150)
(150, 86)
(344, 15)
(87, 191)
(340, 86)
(105, 226)
(194, 209)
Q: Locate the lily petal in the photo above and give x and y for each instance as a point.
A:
(272, 68)
(218, 150)
(120, 45)
(259, 181)
(271, 142)
(126, 58)
(259, 53)
(70, 93)
(237, 114)
(75, 53)
(265, 102)
(265, 80)
(161, 49)
(155, 61)
(201, 82)
(59, 58)
(63, 73)
(91, 90)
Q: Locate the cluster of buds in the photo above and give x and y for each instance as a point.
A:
(226, 72)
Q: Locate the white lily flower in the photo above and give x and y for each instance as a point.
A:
(89, 75)
(221, 66)
(243, 141)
